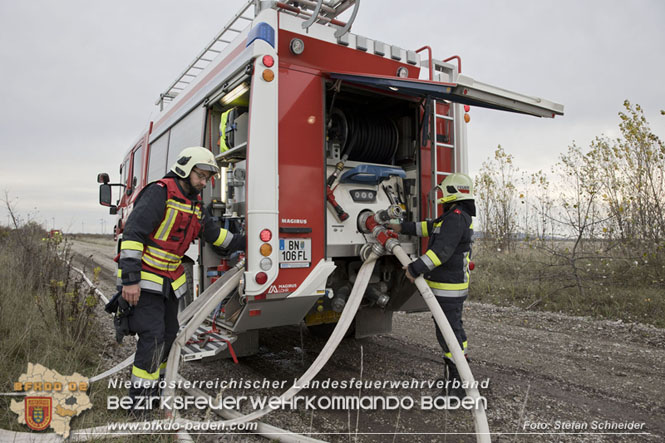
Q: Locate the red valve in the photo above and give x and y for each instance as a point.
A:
(384, 236)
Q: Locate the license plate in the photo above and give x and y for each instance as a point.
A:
(295, 252)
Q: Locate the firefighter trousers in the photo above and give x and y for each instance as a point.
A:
(155, 320)
(452, 307)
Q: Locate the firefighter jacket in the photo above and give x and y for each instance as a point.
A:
(446, 261)
(158, 232)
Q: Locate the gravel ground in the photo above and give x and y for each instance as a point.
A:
(551, 377)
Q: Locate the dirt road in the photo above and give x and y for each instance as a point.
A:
(551, 377)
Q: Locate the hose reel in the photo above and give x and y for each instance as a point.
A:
(363, 135)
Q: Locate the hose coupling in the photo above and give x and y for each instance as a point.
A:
(391, 243)
(385, 215)
(369, 248)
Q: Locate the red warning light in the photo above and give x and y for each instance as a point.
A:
(265, 235)
(261, 278)
(268, 61)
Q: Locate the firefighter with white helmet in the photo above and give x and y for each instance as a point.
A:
(167, 217)
(445, 264)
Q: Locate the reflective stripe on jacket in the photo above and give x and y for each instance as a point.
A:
(159, 231)
(161, 255)
(445, 263)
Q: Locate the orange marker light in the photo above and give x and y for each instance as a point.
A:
(265, 249)
(268, 75)
(467, 118)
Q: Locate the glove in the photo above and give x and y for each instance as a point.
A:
(121, 311)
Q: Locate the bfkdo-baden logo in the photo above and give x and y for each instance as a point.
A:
(38, 412)
(51, 399)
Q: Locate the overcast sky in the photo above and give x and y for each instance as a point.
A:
(79, 79)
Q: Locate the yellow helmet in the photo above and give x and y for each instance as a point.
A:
(197, 156)
(456, 187)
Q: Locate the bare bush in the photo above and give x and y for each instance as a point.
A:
(496, 197)
(633, 183)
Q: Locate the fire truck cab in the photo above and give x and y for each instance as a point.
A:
(313, 126)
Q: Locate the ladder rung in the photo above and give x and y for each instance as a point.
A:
(445, 117)
(442, 173)
(202, 56)
(445, 145)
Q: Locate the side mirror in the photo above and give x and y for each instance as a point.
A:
(103, 178)
(113, 210)
(105, 194)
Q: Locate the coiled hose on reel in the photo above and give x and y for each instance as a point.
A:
(365, 136)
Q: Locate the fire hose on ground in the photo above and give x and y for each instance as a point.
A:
(348, 314)
(198, 310)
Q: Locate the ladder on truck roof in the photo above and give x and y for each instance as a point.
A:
(208, 54)
(320, 11)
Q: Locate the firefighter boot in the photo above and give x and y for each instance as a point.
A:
(453, 386)
(142, 402)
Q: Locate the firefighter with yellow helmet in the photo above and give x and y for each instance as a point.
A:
(167, 217)
(445, 264)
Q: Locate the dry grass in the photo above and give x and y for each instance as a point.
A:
(613, 287)
(46, 315)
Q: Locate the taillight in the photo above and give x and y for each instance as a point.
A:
(261, 278)
(467, 108)
(265, 235)
(268, 61)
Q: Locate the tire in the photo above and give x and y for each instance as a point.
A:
(186, 299)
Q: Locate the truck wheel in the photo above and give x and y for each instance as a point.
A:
(186, 299)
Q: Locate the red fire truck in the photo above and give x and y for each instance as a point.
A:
(313, 125)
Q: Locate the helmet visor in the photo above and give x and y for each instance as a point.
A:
(207, 167)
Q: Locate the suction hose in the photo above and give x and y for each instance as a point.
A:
(388, 238)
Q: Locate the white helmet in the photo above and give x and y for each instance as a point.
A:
(195, 156)
(456, 187)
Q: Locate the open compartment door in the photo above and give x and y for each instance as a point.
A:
(466, 91)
